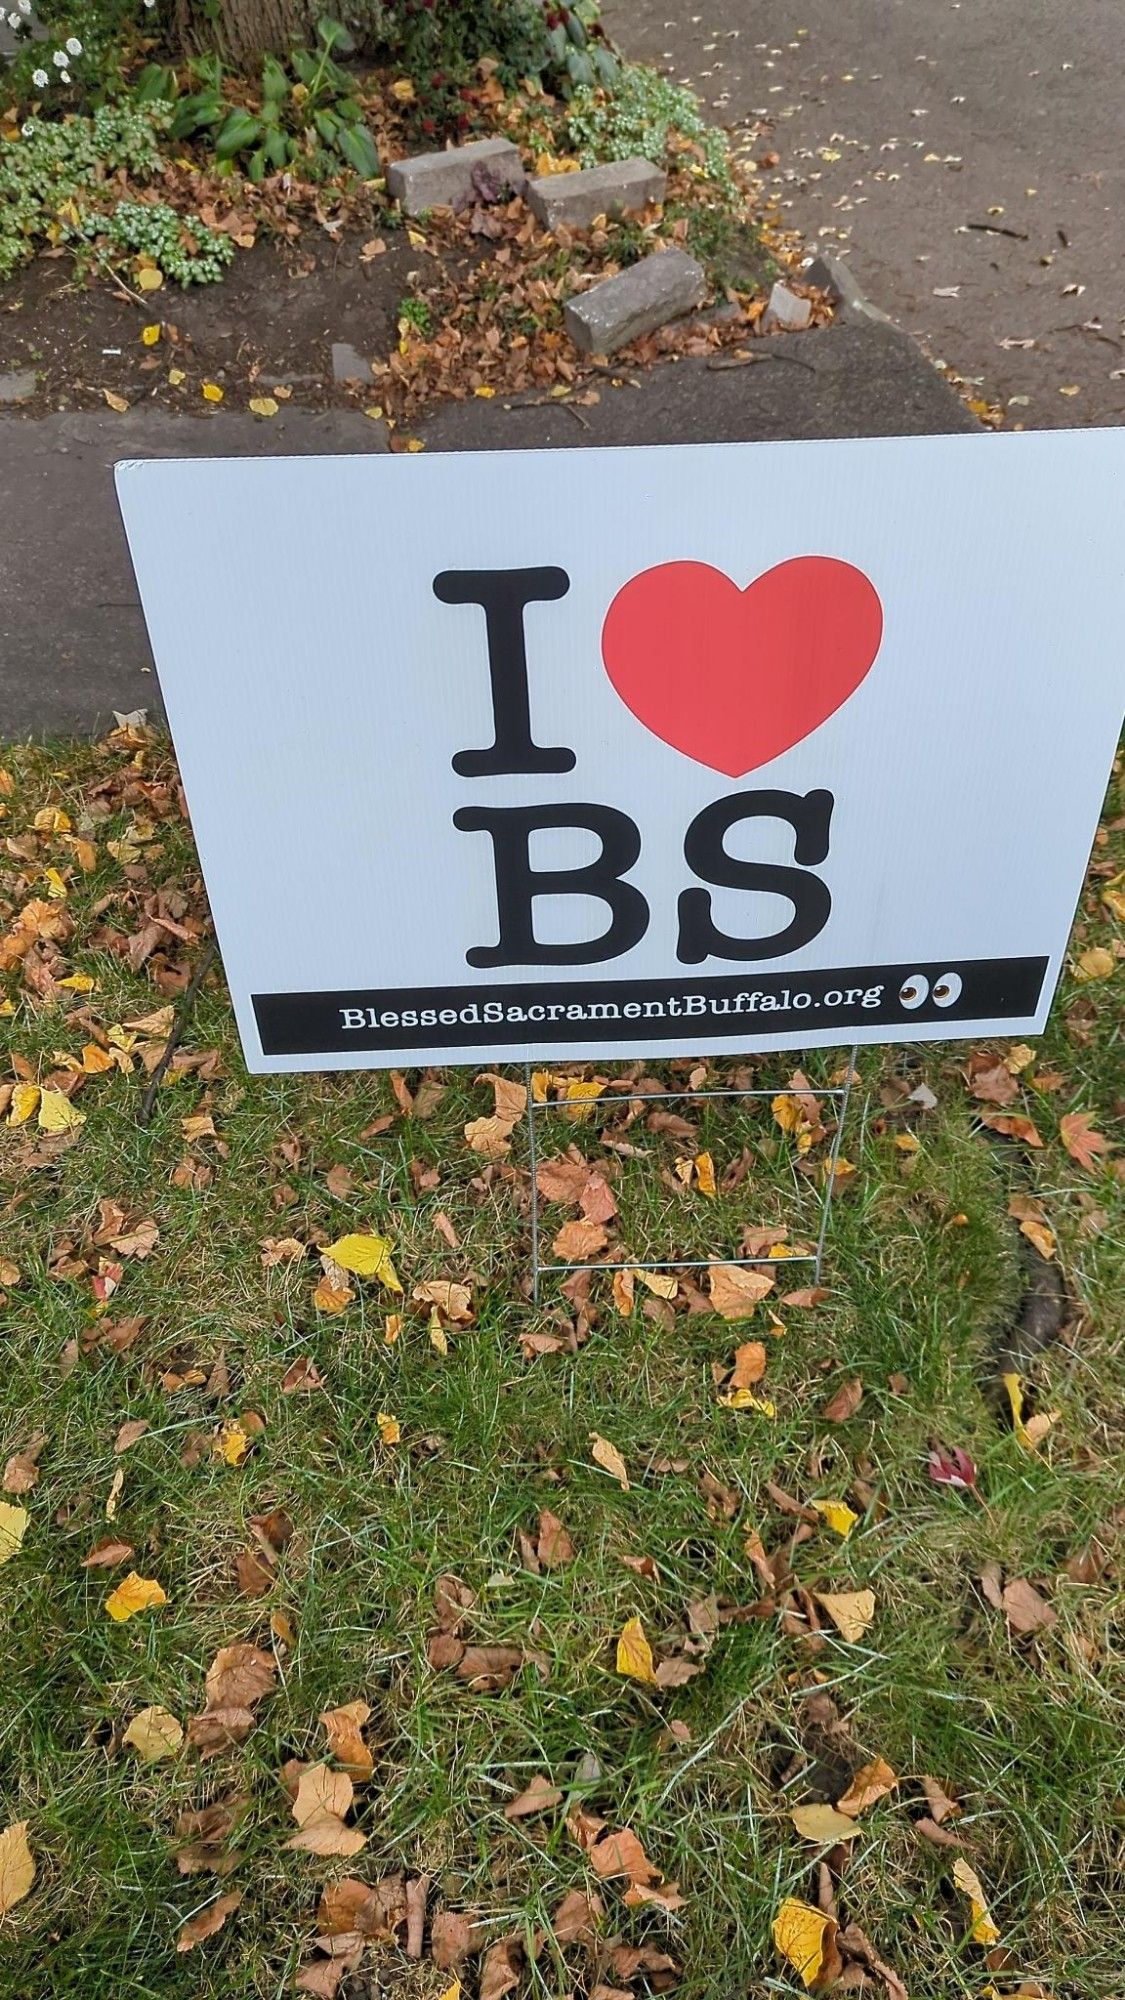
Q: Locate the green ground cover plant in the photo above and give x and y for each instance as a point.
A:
(580, 1562)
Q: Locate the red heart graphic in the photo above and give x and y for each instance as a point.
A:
(733, 677)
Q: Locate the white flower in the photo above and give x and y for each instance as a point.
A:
(59, 58)
(14, 21)
(28, 128)
(40, 79)
(74, 46)
(64, 76)
(24, 6)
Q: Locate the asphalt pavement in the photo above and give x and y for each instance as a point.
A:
(967, 157)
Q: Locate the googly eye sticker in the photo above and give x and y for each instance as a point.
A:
(947, 989)
(914, 991)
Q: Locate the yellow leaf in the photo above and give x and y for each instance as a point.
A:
(403, 90)
(390, 1430)
(1114, 900)
(264, 406)
(176, 376)
(1097, 963)
(57, 1113)
(838, 1515)
(78, 982)
(212, 392)
(580, 1098)
(982, 1930)
(634, 1654)
(438, 1336)
(392, 1328)
(13, 1528)
(115, 401)
(705, 1173)
(17, 1866)
(800, 1934)
(368, 1257)
(56, 887)
(150, 279)
(484, 392)
(1019, 1058)
(415, 444)
(453, 1992)
(51, 819)
(745, 1399)
(95, 1060)
(154, 1733)
(151, 334)
(851, 1611)
(415, 239)
(232, 1443)
(136, 1593)
(658, 1282)
(374, 411)
(25, 1103)
(823, 1824)
(609, 1458)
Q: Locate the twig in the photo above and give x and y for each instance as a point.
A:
(747, 360)
(134, 298)
(999, 229)
(183, 1015)
(549, 403)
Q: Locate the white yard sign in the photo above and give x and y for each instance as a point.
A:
(604, 753)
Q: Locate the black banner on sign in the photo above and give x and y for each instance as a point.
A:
(746, 1005)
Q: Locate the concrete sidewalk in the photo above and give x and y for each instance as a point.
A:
(72, 640)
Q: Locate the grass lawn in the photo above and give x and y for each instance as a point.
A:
(374, 1466)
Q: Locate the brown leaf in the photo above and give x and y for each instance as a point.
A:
(811, 1295)
(501, 1969)
(554, 1548)
(253, 1577)
(1084, 1145)
(609, 1458)
(452, 1600)
(208, 1831)
(1010, 1127)
(844, 1403)
(942, 1807)
(749, 1365)
(374, 1911)
(107, 1553)
(596, 1200)
(452, 1939)
(938, 1836)
(989, 1079)
(273, 1529)
(871, 1783)
(302, 1375)
(130, 1433)
(489, 1668)
(208, 1921)
(453, 1301)
(564, 1178)
(338, 1181)
(579, 1242)
(735, 1291)
(323, 1799)
(511, 1097)
(417, 1893)
(21, 1473)
(17, 1865)
(239, 1675)
(219, 1729)
(539, 1797)
(343, 1726)
(577, 1917)
(621, 1854)
(490, 1137)
(1024, 1609)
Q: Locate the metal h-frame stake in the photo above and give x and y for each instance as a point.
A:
(840, 1092)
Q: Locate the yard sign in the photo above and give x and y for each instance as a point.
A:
(591, 753)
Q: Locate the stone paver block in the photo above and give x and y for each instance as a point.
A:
(18, 385)
(578, 199)
(445, 180)
(786, 311)
(661, 287)
(831, 274)
(348, 364)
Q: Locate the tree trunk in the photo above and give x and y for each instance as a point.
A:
(242, 30)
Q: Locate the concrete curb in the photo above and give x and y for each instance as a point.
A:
(830, 274)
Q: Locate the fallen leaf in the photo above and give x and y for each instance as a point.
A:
(150, 334)
(540, 1796)
(1084, 1145)
(1024, 1609)
(13, 1527)
(844, 1403)
(953, 1468)
(823, 1824)
(107, 1553)
(453, 1301)
(21, 1474)
(749, 1365)
(851, 1611)
(116, 402)
(982, 1930)
(839, 1516)
(660, 1283)
(343, 1727)
(264, 406)
(609, 1458)
(232, 1442)
(209, 1920)
(17, 1865)
(212, 392)
(490, 1137)
(806, 1937)
(135, 1593)
(302, 1376)
(736, 1291)
(577, 1242)
(239, 1676)
(942, 1807)
(322, 1801)
(390, 1430)
(554, 1547)
(868, 1785)
(367, 1257)
(130, 1433)
(154, 1733)
(634, 1654)
(1033, 1224)
(1022, 1129)
(57, 1113)
(1097, 963)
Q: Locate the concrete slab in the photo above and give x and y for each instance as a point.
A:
(433, 180)
(621, 188)
(659, 288)
(72, 640)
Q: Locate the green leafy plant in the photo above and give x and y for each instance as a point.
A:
(182, 246)
(646, 115)
(72, 55)
(309, 114)
(580, 56)
(54, 171)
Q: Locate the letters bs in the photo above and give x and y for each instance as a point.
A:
(503, 596)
